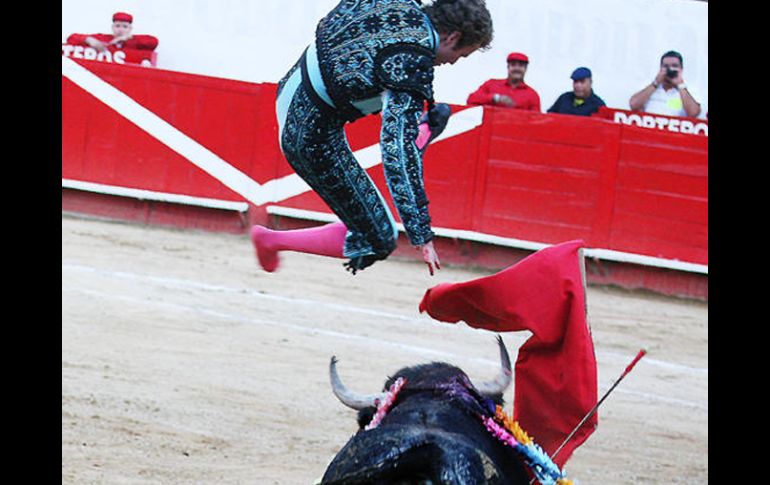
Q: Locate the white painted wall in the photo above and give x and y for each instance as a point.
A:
(258, 40)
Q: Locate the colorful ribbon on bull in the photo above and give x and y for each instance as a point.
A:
(504, 428)
(384, 405)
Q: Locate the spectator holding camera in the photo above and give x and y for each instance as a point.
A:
(667, 94)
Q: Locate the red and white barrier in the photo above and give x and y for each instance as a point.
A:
(111, 55)
(676, 124)
(495, 177)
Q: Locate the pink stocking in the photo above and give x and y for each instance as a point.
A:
(327, 240)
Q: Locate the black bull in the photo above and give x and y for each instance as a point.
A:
(433, 432)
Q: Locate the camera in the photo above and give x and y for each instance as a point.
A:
(671, 72)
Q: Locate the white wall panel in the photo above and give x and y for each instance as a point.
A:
(258, 40)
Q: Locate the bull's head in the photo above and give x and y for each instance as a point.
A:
(493, 389)
(431, 434)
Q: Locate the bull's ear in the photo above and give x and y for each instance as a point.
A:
(365, 416)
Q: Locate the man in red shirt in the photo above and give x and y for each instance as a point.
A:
(121, 38)
(511, 92)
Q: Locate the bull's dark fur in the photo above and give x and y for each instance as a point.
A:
(433, 434)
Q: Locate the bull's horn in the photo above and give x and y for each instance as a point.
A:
(504, 377)
(346, 396)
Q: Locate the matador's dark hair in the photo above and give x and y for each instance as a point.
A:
(469, 17)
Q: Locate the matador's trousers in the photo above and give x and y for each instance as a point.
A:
(314, 143)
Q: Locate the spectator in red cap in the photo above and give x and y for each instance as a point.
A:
(121, 38)
(512, 92)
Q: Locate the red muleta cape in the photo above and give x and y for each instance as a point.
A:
(555, 372)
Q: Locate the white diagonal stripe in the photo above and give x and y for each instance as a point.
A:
(275, 190)
(163, 131)
(292, 185)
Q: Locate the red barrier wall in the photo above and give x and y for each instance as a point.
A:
(661, 195)
(544, 178)
(547, 177)
(230, 118)
(112, 55)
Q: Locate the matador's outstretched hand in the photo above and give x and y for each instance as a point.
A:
(430, 256)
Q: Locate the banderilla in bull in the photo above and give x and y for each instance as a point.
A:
(593, 410)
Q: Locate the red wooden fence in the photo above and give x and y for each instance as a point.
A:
(542, 178)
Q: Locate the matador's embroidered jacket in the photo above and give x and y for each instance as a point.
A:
(369, 56)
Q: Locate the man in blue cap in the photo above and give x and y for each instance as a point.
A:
(581, 100)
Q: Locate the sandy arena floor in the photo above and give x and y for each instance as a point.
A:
(182, 362)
